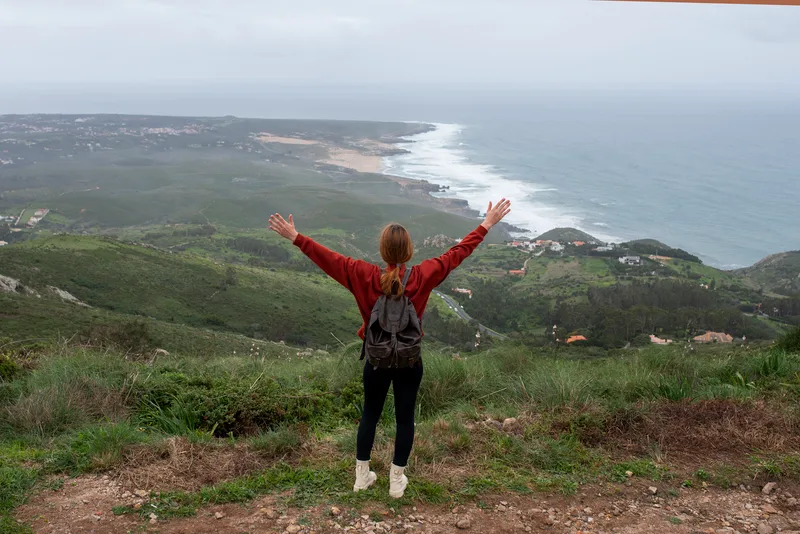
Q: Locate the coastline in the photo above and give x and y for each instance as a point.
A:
(372, 156)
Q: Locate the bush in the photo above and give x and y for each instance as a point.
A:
(641, 340)
(129, 336)
(790, 342)
(8, 368)
(180, 403)
(280, 442)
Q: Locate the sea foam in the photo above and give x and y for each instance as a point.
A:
(439, 157)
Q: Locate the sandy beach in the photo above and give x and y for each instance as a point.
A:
(349, 158)
(353, 159)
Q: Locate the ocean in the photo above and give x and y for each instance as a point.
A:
(715, 174)
(722, 184)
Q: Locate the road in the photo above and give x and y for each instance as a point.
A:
(456, 307)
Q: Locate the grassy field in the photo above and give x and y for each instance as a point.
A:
(579, 416)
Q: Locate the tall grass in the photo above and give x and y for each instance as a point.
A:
(89, 406)
(69, 388)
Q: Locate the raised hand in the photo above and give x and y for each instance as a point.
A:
(495, 214)
(282, 227)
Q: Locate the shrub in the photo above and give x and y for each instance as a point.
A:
(279, 442)
(8, 368)
(129, 336)
(790, 342)
(179, 403)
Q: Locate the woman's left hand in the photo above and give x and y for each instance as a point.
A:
(282, 227)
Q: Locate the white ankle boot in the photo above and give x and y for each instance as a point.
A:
(397, 481)
(364, 477)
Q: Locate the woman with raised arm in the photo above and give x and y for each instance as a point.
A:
(368, 282)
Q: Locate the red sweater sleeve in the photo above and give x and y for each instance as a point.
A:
(435, 270)
(341, 268)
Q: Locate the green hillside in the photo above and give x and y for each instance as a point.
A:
(779, 273)
(32, 320)
(276, 304)
(567, 235)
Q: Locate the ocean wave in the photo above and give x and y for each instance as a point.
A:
(439, 157)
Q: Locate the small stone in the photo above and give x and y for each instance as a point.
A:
(501, 508)
(770, 509)
(127, 495)
(219, 515)
(269, 513)
(587, 510)
(153, 519)
(548, 520)
(653, 490)
(335, 510)
(791, 501)
(629, 474)
(464, 523)
(768, 488)
(137, 506)
(141, 493)
(504, 503)
(293, 529)
(764, 528)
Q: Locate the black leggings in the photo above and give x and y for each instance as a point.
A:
(406, 383)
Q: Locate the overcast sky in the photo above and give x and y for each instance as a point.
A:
(514, 43)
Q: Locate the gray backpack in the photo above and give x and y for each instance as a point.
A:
(393, 337)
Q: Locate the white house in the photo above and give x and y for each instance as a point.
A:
(3, 243)
(556, 247)
(631, 260)
(604, 248)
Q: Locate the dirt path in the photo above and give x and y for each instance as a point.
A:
(84, 505)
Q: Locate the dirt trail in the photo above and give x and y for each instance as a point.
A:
(84, 505)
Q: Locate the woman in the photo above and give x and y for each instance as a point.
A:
(367, 282)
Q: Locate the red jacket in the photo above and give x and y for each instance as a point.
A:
(363, 279)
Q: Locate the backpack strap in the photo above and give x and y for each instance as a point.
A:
(405, 277)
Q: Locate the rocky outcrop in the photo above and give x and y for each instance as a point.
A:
(12, 285)
(439, 241)
(67, 296)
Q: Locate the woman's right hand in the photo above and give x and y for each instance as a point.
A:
(495, 214)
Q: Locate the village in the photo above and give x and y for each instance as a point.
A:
(540, 246)
(26, 219)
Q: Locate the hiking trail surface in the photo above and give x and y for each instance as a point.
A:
(87, 503)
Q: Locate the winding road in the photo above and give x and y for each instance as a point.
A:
(456, 307)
